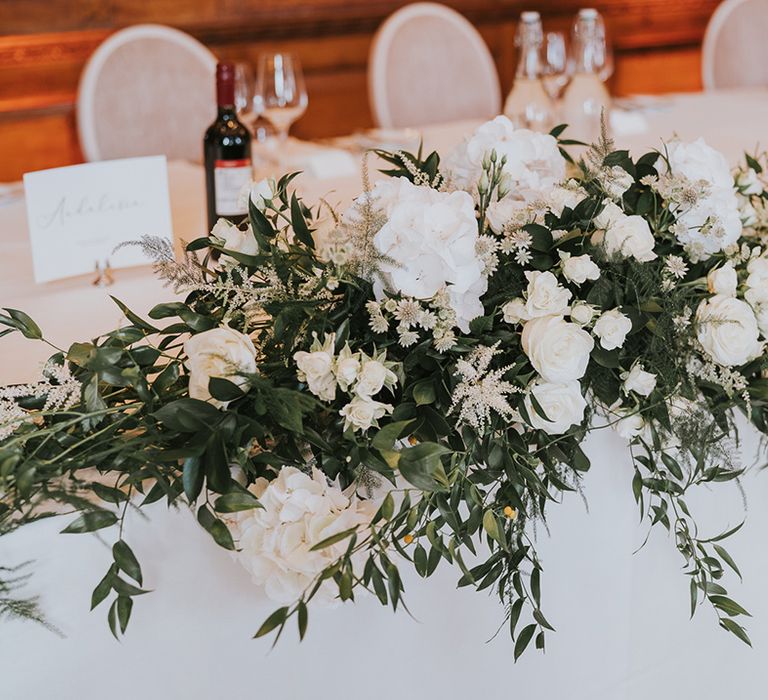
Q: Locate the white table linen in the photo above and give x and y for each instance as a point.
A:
(622, 619)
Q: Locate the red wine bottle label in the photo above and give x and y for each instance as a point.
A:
(229, 177)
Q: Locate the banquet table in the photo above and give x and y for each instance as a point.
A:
(621, 616)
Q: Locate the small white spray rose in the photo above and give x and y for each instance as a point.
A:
(578, 268)
(220, 352)
(514, 311)
(563, 404)
(347, 367)
(629, 424)
(545, 296)
(748, 182)
(757, 281)
(373, 377)
(612, 328)
(235, 239)
(639, 381)
(628, 236)
(558, 350)
(722, 280)
(582, 313)
(727, 330)
(317, 367)
(363, 412)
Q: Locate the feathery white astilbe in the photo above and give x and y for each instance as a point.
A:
(481, 389)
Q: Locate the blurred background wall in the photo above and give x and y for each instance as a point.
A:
(44, 44)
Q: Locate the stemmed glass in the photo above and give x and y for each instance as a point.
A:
(555, 70)
(281, 91)
(245, 97)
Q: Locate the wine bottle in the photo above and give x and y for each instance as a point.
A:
(227, 150)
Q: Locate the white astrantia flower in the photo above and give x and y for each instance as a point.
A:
(582, 313)
(514, 311)
(558, 350)
(612, 328)
(317, 367)
(727, 330)
(545, 296)
(362, 412)
(533, 167)
(219, 352)
(723, 280)
(639, 381)
(430, 236)
(298, 511)
(563, 404)
(628, 236)
(578, 268)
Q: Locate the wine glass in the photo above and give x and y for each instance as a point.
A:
(555, 70)
(245, 94)
(281, 91)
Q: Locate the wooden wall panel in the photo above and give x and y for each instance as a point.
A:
(45, 43)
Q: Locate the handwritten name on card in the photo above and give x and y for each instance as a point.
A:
(79, 214)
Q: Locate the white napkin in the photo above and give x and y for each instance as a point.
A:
(624, 123)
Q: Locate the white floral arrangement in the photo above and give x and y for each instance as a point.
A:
(343, 394)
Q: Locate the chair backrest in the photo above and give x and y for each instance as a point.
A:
(428, 64)
(735, 52)
(147, 90)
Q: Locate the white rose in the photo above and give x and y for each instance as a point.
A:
(514, 311)
(558, 350)
(430, 237)
(628, 236)
(275, 542)
(317, 370)
(500, 212)
(698, 161)
(373, 377)
(639, 381)
(723, 280)
(612, 328)
(579, 268)
(748, 182)
(534, 163)
(545, 296)
(220, 352)
(235, 239)
(563, 404)
(347, 368)
(761, 314)
(561, 197)
(727, 330)
(261, 192)
(758, 273)
(361, 413)
(630, 425)
(582, 313)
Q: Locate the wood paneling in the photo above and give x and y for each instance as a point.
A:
(45, 44)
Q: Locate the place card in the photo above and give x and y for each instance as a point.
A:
(78, 215)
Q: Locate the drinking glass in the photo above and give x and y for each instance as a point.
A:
(281, 91)
(555, 70)
(245, 94)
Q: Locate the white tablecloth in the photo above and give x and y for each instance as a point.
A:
(622, 619)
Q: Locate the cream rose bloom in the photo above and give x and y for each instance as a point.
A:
(629, 424)
(317, 368)
(431, 238)
(757, 281)
(563, 404)
(748, 182)
(558, 350)
(578, 268)
(727, 330)
(639, 381)
(514, 311)
(373, 377)
(628, 236)
(723, 280)
(544, 295)
(235, 239)
(562, 196)
(500, 212)
(612, 328)
(582, 313)
(534, 163)
(220, 352)
(363, 412)
(275, 542)
(347, 368)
